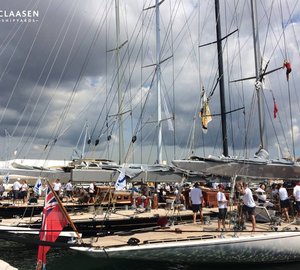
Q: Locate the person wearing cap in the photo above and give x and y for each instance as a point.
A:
(296, 194)
(222, 205)
(195, 196)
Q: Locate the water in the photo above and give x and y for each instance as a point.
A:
(24, 258)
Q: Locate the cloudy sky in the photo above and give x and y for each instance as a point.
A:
(63, 82)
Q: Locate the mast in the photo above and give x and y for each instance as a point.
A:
(221, 79)
(158, 74)
(120, 120)
(259, 77)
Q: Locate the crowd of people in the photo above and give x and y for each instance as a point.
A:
(277, 196)
(20, 191)
(285, 201)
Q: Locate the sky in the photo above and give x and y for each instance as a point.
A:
(63, 81)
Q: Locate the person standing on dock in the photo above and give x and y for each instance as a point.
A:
(195, 197)
(248, 204)
(57, 187)
(222, 205)
(69, 190)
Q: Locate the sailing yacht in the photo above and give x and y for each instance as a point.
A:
(271, 242)
(260, 166)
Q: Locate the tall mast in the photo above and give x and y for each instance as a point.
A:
(258, 74)
(221, 79)
(158, 74)
(120, 120)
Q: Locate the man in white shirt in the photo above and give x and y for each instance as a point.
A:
(222, 205)
(57, 186)
(284, 202)
(249, 204)
(195, 197)
(69, 190)
(16, 190)
(296, 194)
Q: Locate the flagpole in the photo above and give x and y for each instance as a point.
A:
(63, 209)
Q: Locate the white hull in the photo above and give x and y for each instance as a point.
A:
(100, 172)
(36, 173)
(268, 247)
(31, 169)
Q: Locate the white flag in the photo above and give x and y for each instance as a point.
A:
(168, 115)
(6, 179)
(121, 181)
(38, 187)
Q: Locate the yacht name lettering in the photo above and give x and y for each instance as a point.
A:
(19, 14)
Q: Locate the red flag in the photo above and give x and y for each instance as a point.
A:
(53, 222)
(275, 108)
(288, 67)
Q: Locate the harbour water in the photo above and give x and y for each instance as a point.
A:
(24, 258)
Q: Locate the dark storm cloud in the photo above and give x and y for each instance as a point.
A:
(39, 58)
(62, 28)
(62, 60)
